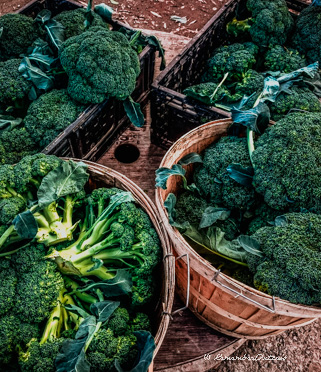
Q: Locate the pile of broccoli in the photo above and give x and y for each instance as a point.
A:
(53, 284)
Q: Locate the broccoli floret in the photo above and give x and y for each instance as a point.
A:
(15, 144)
(213, 180)
(235, 59)
(27, 331)
(299, 98)
(252, 82)
(119, 321)
(143, 291)
(101, 197)
(279, 58)
(307, 33)
(291, 265)
(127, 351)
(100, 64)
(140, 322)
(286, 159)
(8, 331)
(74, 21)
(50, 114)
(8, 282)
(42, 284)
(10, 207)
(28, 257)
(40, 357)
(14, 88)
(19, 32)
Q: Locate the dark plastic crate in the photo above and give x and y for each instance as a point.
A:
(99, 125)
(173, 114)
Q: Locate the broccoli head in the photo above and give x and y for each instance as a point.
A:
(15, 144)
(74, 21)
(37, 291)
(272, 21)
(279, 58)
(287, 163)
(235, 59)
(14, 88)
(252, 82)
(213, 180)
(307, 33)
(119, 321)
(8, 331)
(8, 281)
(26, 258)
(291, 264)
(10, 207)
(19, 32)
(49, 115)
(300, 98)
(100, 64)
(263, 216)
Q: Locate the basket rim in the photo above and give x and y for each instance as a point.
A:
(210, 271)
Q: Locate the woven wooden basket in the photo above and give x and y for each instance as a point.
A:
(101, 176)
(221, 302)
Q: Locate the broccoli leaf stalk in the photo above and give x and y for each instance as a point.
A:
(236, 27)
(218, 87)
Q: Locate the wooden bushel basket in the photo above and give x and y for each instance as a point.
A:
(101, 176)
(221, 302)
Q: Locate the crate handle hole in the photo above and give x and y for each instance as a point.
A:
(127, 153)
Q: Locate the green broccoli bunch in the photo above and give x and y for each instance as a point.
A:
(14, 88)
(16, 144)
(252, 82)
(287, 163)
(279, 58)
(290, 267)
(213, 180)
(307, 33)
(19, 32)
(50, 114)
(100, 64)
(234, 59)
(263, 215)
(300, 98)
(74, 21)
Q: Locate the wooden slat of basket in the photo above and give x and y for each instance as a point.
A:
(112, 178)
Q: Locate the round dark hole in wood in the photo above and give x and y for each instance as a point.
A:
(127, 153)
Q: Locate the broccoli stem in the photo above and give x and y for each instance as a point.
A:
(118, 254)
(83, 296)
(85, 269)
(53, 326)
(219, 85)
(6, 235)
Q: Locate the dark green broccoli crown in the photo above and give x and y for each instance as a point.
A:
(9, 208)
(7, 179)
(263, 216)
(100, 363)
(8, 281)
(27, 258)
(235, 59)
(37, 291)
(293, 249)
(190, 207)
(143, 291)
(104, 342)
(287, 162)
(50, 114)
(100, 64)
(307, 33)
(272, 21)
(19, 32)
(27, 331)
(252, 82)
(74, 21)
(127, 351)
(16, 144)
(8, 331)
(40, 357)
(119, 321)
(14, 88)
(279, 58)
(300, 99)
(127, 238)
(213, 180)
(141, 322)
(43, 164)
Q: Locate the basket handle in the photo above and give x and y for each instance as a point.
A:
(188, 285)
(271, 310)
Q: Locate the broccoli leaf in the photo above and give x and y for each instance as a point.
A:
(280, 221)
(119, 285)
(254, 119)
(169, 204)
(308, 71)
(33, 73)
(25, 225)
(134, 112)
(163, 173)
(9, 122)
(270, 90)
(152, 40)
(89, 16)
(69, 178)
(77, 310)
(250, 244)
(105, 11)
(43, 16)
(103, 310)
(146, 346)
(240, 174)
(56, 32)
(191, 158)
(71, 357)
(211, 215)
(1, 31)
